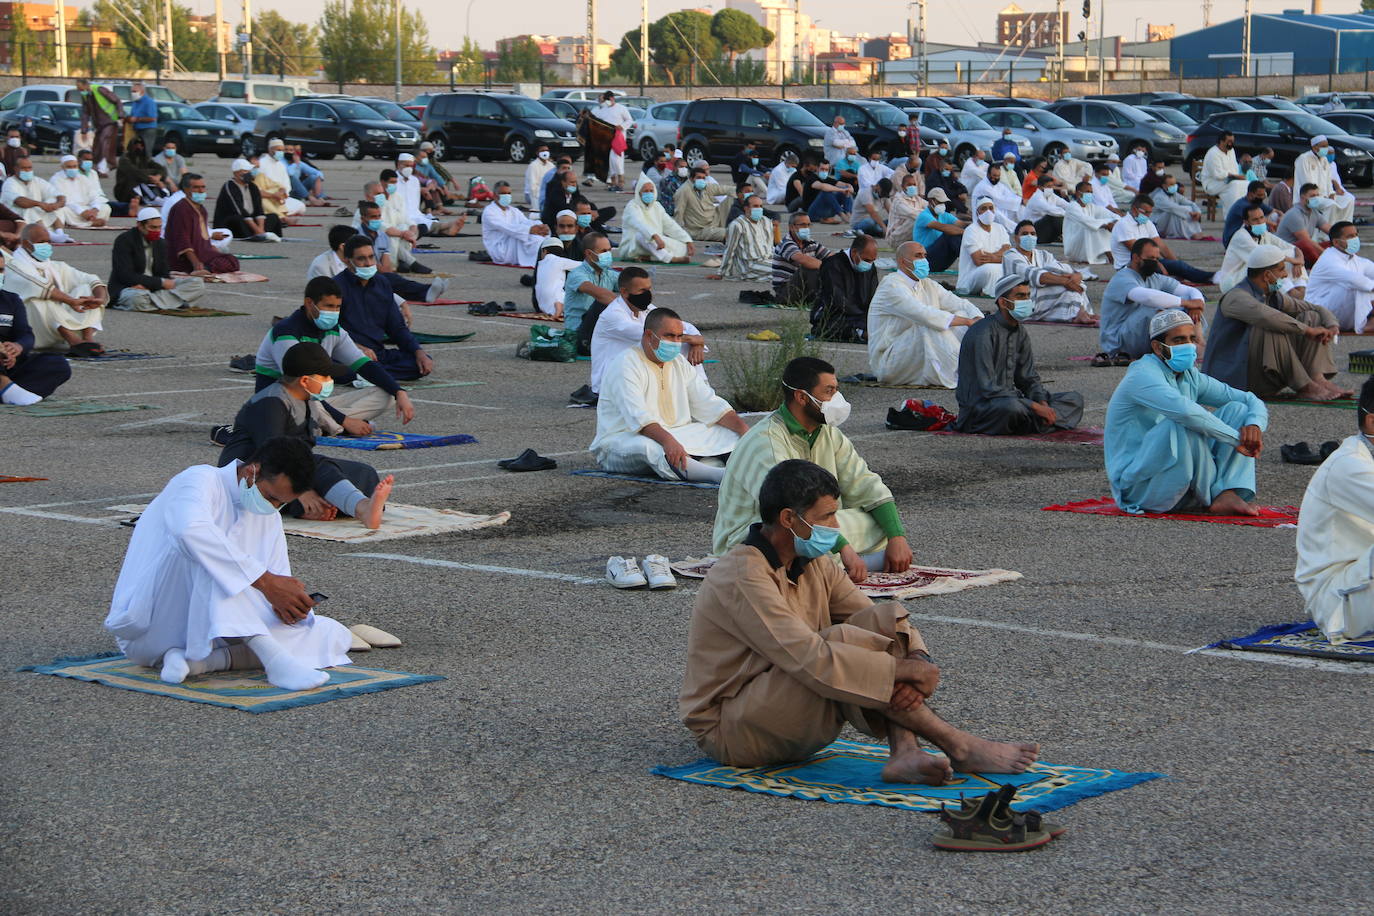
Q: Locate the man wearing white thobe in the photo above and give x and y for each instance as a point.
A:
(873, 170)
(1070, 171)
(535, 173)
(1318, 166)
(207, 576)
(508, 235)
(838, 140)
(1007, 201)
(34, 199)
(1087, 228)
(273, 167)
(649, 233)
(915, 325)
(778, 178)
(86, 204)
(1343, 282)
(974, 172)
(621, 326)
(984, 244)
(1221, 175)
(1254, 232)
(1174, 215)
(65, 306)
(1133, 171)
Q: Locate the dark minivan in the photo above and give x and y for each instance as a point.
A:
(716, 129)
(873, 124)
(492, 125)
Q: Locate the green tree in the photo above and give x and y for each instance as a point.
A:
(519, 61)
(136, 23)
(359, 44)
(681, 47)
(37, 55)
(469, 65)
(738, 32)
(1367, 4)
(280, 45)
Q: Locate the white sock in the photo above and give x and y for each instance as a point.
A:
(60, 237)
(20, 397)
(176, 666)
(282, 670)
(703, 473)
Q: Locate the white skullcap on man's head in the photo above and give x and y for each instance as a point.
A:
(562, 213)
(275, 142)
(1319, 139)
(68, 158)
(1264, 256)
(147, 213)
(241, 165)
(1166, 320)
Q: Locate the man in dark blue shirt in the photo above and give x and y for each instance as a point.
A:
(373, 319)
(1256, 193)
(25, 377)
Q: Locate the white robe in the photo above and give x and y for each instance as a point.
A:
(1345, 285)
(974, 172)
(549, 276)
(1243, 242)
(1086, 237)
(1124, 234)
(633, 390)
(1133, 169)
(1008, 178)
(1217, 167)
(35, 281)
(506, 235)
(1314, 169)
(187, 579)
(616, 115)
(1175, 216)
(83, 193)
(910, 341)
(641, 223)
(837, 141)
(1041, 204)
(870, 173)
(1116, 186)
(1008, 202)
(395, 216)
(535, 173)
(1052, 303)
(1071, 171)
(275, 170)
(976, 279)
(409, 190)
(618, 329)
(1335, 571)
(777, 183)
(36, 189)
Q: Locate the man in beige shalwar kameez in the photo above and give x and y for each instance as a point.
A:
(783, 651)
(696, 210)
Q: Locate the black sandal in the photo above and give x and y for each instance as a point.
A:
(1101, 361)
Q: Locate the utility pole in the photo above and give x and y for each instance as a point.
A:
(171, 52)
(1245, 43)
(219, 36)
(796, 45)
(925, 62)
(1059, 30)
(61, 38)
(248, 39)
(396, 4)
(644, 42)
(591, 43)
(1101, 23)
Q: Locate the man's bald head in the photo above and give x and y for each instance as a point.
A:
(910, 251)
(34, 233)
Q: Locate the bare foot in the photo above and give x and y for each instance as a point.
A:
(1338, 391)
(917, 766)
(1229, 503)
(979, 755)
(370, 509)
(1316, 391)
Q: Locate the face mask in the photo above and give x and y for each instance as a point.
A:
(753, 160)
(804, 233)
(1149, 267)
(863, 267)
(256, 171)
(567, 238)
(1258, 231)
(584, 220)
(362, 273)
(646, 197)
(374, 224)
(1275, 286)
(1159, 172)
(71, 173)
(1141, 219)
(604, 259)
(937, 209)
(543, 154)
(1028, 242)
(12, 142)
(1181, 357)
(326, 389)
(87, 165)
(279, 155)
(756, 214)
(252, 500)
(1102, 179)
(1330, 155)
(1316, 203)
(1087, 198)
(909, 190)
(1007, 135)
(1021, 308)
(682, 172)
(985, 217)
(198, 197)
(699, 184)
(1171, 189)
(42, 251)
(667, 351)
(875, 162)
(944, 173)
(328, 319)
(503, 200)
(901, 131)
(1352, 246)
(170, 153)
(1066, 155)
(920, 268)
(1139, 154)
(822, 174)
(153, 235)
(407, 172)
(570, 189)
(26, 176)
(641, 300)
(391, 189)
(820, 543)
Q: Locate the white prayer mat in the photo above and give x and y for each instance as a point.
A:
(399, 521)
(916, 582)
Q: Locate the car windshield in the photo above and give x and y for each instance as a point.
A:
(1310, 124)
(64, 112)
(962, 120)
(355, 111)
(1048, 120)
(390, 110)
(172, 111)
(794, 116)
(1274, 102)
(1172, 115)
(251, 112)
(887, 116)
(527, 108)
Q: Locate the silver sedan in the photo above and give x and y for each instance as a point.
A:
(1051, 134)
(966, 132)
(656, 128)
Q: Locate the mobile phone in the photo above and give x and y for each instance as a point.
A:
(319, 596)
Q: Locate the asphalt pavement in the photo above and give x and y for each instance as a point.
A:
(521, 782)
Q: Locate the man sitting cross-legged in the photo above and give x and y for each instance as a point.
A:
(807, 426)
(749, 245)
(783, 652)
(1165, 451)
(1056, 288)
(65, 305)
(797, 262)
(373, 319)
(1343, 282)
(657, 415)
(26, 377)
(35, 199)
(620, 326)
(650, 234)
(188, 238)
(508, 235)
(1132, 298)
(999, 391)
(206, 584)
(292, 406)
(140, 276)
(915, 325)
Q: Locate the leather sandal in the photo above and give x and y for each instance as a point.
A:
(980, 828)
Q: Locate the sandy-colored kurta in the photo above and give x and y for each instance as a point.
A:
(773, 440)
(1217, 167)
(748, 251)
(910, 341)
(1071, 171)
(277, 179)
(1335, 570)
(83, 193)
(901, 219)
(640, 223)
(36, 188)
(980, 279)
(778, 660)
(1314, 169)
(698, 213)
(1052, 303)
(618, 329)
(1258, 342)
(637, 392)
(1086, 237)
(506, 235)
(36, 281)
(1242, 243)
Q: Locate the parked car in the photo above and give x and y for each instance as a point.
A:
(1202, 109)
(966, 133)
(1134, 98)
(1171, 116)
(44, 125)
(38, 92)
(124, 89)
(567, 109)
(491, 125)
(194, 132)
(1050, 134)
(1288, 134)
(1129, 126)
(1318, 101)
(1358, 122)
(1001, 101)
(716, 129)
(386, 108)
(873, 124)
(268, 93)
(326, 126)
(915, 102)
(1269, 101)
(657, 127)
(243, 117)
(964, 103)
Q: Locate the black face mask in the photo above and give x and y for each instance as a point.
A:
(1149, 267)
(641, 300)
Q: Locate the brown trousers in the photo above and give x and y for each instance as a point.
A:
(1279, 361)
(777, 719)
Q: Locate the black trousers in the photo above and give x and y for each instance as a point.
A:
(236, 224)
(330, 471)
(1049, 229)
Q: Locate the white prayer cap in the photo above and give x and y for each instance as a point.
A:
(1113, 157)
(551, 242)
(1168, 319)
(1007, 284)
(275, 142)
(427, 146)
(241, 165)
(404, 156)
(939, 195)
(68, 158)
(1319, 139)
(147, 213)
(562, 213)
(981, 201)
(1264, 256)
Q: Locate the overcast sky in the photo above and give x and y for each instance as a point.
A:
(955, 21)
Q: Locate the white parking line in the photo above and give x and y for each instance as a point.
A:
(470, 462)
(480, 567)
(454, 404)
(179, 418)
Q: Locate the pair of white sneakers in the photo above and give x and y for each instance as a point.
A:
(653, 571)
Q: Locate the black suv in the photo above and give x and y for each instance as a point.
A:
(1289, 134)
(325, 126)
(717, 129)
(491, 124)
(873, 124)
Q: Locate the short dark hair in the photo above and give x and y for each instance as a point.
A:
(1305, 188)
(884, 186)
(1252, 208)
(590, 238)
(322, 288)
(356, 242)
(805, 372)
(286, 455)
(1337, 228)
(631, 273)
(861, 241)
(387, 173)
(1366, 400)
(1256, 186)
(1139, 245)
(339, 234)
(655, 318)
(1142, 200)
(794, 484)
(187, 179)
(368, 205)
(1224, 134)
(1024, 222)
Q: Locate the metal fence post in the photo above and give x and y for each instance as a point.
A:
(23, 63)
(1218, 77)
(1366, 74)
(829, 72)
(782, 77)
(1011, 75)
(1331, 75)
(968, 78)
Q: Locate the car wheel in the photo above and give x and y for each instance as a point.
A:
(961, 154)
(1053, 150)
(440, 147)
(782, 152)
(64, 145)
(247, 147)
(517, 150)
(696, 152)
(648, 149)
(351, 147)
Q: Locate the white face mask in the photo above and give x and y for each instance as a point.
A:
(937, 209)
(835, 411)
(407, 171)
(986, 217)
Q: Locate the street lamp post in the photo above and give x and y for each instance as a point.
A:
(397, 7)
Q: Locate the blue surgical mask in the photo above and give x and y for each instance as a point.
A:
(1021, 309)
(170, 153)
(944, 173)
(822, 174)
(1087, 198)
(71, 173)
(328, 319)
(1181, 357)
(42, 251)
(1331, 155)
(667, 350)
(584, 220)
(374, 224)
(604, 260)
(379, 200)
(1103, 179)
(253, 172)
(391, 188)
(279, 155)
(1028, 242)
(1352, 245)
(699, 184)
(756, 214)
(1141, 219)
(198, 197)
(820, 543)
(753, 160)
(646, 197)
(325, 391)
(252, 500)
(87, 165)
(363, 273)
(1258, 231)
(863, 266)
(1275, 286)
(26, 176)
(568, 237)
(909, 190)
(503, 199)
(1066, 155)
(1171, 189)
(804, 233)
(920, 268)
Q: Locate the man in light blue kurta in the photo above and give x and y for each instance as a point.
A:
(1134, 296)
(1165, 451)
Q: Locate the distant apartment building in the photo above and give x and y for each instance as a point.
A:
(1017, 28)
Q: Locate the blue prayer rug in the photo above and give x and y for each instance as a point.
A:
(849, 773)
(246, 690)
(612, 475)
(1299, 639)
(385, 441)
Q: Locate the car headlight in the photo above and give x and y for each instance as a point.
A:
(197, 132)
(1084, 141)
(1165, 136)
(544, 134)
(376, 133)
(1355, 153)
(814, 141)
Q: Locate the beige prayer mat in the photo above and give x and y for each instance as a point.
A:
(237, 276)
(399, 521)
(916, 582)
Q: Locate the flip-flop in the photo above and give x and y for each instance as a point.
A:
(377, 639)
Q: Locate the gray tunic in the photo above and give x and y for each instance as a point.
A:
(998, 382)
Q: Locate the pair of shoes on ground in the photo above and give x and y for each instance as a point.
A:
(243, 363)
(492, 308)
(527, 280)
(414, 267)
(653, 571)
(584, 396)
(989, 824)
(757, 296)
(367, 638)
(1302, 453)
(1102, 360)
(528, 460)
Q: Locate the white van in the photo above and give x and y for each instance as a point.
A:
(270, 93)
